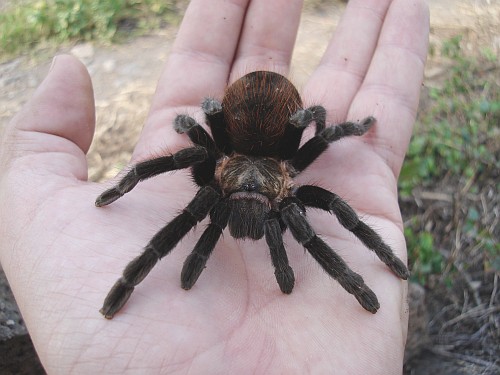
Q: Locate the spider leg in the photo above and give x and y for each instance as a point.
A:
(195, 262)
(149, 168)
(319, 143)
(195, 132)
(159, 246)
(282, 270)
(293, 215)
(315, 196)
(290, 140)
(203, 172)
(303, 117)
(215, 120)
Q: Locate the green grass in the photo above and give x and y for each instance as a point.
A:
(28, 23)
(459, 133)
(455, 150)
(423, 256)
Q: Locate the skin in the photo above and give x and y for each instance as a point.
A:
(61, 254)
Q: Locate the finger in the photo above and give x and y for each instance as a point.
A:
(202, 54)
(268, 37)
(347, 57)
(391, 89)
(58, 120)
(198, 66)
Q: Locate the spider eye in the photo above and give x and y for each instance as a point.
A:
(250, 186)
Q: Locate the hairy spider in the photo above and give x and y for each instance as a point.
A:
(245, 174)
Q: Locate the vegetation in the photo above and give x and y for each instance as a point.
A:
(29, 22)
(450, 201)
(452, 158)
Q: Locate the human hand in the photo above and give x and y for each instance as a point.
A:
(61, 254)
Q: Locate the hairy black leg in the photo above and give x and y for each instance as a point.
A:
(282, 270)
(195, 132)
(203, 173)
(149, 168)
(315, 196)
(293, 131)
(294, 217)
(303, 117)
(195, 262)
(159, 246)
(319, 143)
(215, 120)
(290, 141)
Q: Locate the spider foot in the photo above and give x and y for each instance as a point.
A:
(184, 123)
(191, 271)
(124, 186)
(365, 125)
(399, 268)
(355, 128)
(345, 129)
(285, 279)
(354, 284)
(211, 106)
(107, 197)
(302, 118)
(374, 242)
(116, 298)
(367, 299)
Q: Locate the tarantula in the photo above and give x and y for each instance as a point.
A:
(245, 173)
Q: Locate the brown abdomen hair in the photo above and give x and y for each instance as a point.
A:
(257, 109)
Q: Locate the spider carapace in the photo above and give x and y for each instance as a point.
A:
(245, 174)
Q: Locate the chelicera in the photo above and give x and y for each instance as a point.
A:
(245, 173)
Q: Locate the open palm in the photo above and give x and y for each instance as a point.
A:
(61, 254)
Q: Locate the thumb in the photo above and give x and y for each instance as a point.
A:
(55, 128)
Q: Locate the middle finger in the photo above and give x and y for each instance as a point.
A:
(268, 37)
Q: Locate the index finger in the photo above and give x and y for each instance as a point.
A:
(198, 66)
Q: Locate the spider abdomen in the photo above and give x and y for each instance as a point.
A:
(257, 109)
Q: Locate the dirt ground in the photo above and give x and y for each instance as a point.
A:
(125, 76)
